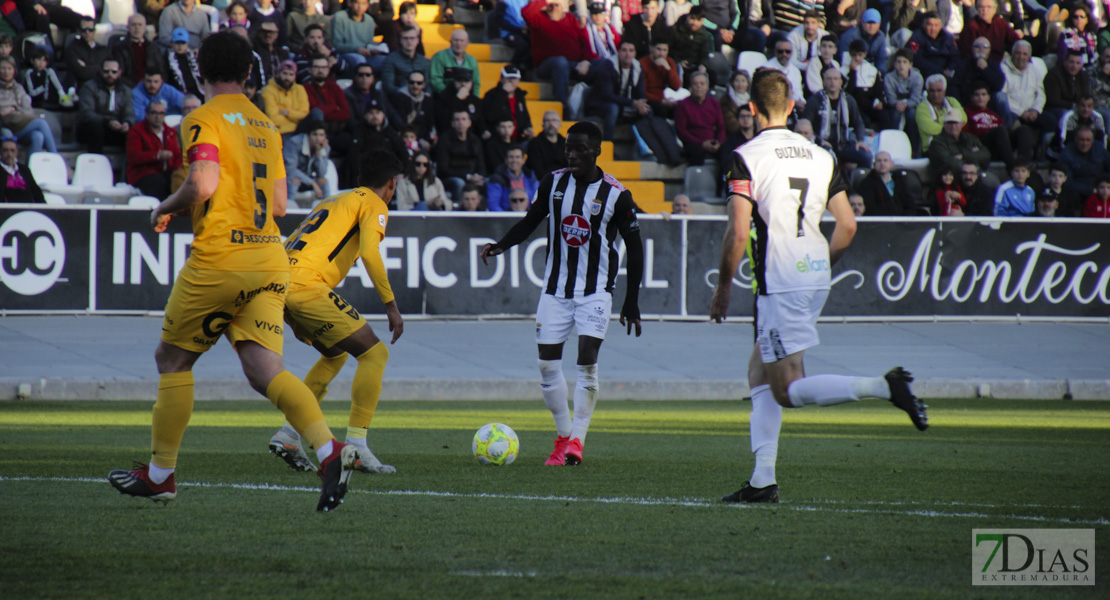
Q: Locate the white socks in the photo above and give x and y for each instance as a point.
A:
(766, 422)
(585, 397)
(325, 451)
(554, 386)
(829, 390)
(158, 474)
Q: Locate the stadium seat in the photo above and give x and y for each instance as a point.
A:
(344, 83)
(148, 202)
(700, 184)
(333, 178)
(53, 199)
(52, 175)
(173, 120)
(856, 178)
(750, 60)
(93, 172)
(897, 143)
(116, 12)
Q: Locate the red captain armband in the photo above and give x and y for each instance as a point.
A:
(204, 152)
(740, 187)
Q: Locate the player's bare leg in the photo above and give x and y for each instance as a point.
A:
(553, 384)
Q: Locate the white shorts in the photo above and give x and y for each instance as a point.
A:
(786, 323)
(556, 316)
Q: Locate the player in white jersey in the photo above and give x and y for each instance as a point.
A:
(781, 183)
(586, 209)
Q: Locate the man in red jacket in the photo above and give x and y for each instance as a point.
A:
(990, 25)
(560, 44)
(153, 153)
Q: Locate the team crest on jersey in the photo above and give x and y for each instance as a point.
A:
(576, 231)
(596, 206)
(381, 220)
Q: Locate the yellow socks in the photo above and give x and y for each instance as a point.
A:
(171, 417)
(321, 374)
(300, 408)
(367, 387)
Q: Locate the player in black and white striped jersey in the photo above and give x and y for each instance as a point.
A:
(586, 210)
(782, 183)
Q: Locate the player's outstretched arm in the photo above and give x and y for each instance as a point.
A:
(845, 228)
(199, 186)
(732, 252)
(629, 229)
(524, 227)
(396, 323)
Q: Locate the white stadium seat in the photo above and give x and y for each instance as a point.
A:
(897, 143)
(333, 178)
(149, 202)
(52, 175)
(750, 61)
(116, 12)
(53, 199)
(173, 120)
(93, 172)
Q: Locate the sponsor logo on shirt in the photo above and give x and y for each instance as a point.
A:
(808, 265)
(242, 237)
(576, 231)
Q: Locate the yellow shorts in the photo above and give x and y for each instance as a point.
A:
(318, 314)
(244, 306)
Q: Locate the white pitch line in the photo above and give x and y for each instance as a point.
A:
(808, 506)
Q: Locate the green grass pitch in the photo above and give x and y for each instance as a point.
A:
(871, 507)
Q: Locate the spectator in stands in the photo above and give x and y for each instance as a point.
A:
(459, 156)
(560, 45)
(1025, 91)
(42, 83)
(514, 32)
(744, 131)
(352, 33)
(953, 146)
(153, 88)
(518, 200)
(84, 55)
(856, 202)
(603, 36)
(17, 183)
(804, 128)
(363, 91)
(1078, 36)
(1099, 76)
(509, 177)
(398, 65)
(1068, 203)
(1047, 206)
(303, 13)
(181, 66)
(869, 31)
(805, 39)
(238, 13)
(887, 192)
(105, 115)
(1086, 160)
(989, 24)
(470, 199)
(153, 152)
(753, 21)
(406, 17)
(950, 198)
(547, 151)
(903, 86)
(1083, 115)
(416, 109)
(506, 102)
(699, 122)
(188, 104)
(980, 198)
(1098, 205)
(250, 90)
(908, 14)
(978, 68)
(934, 49)
(266, 11)
(617, 92)
(1064, 85)
(260, 74)
(420, 189)
(326, 100)
(691, 45)
(990, 128)
(136, 55)
(735, 99)
(451, 58)
(842, 15)
(460, 97)
(837, 121)
(372, 132)
(931, 113)
(270, 53)
(497, 145)
(661, 74)
(39, 15)
(680, 205)
(781, 62)
(286, 100)
(306, 161)
(1014, 198)
(786, 15)
(826, 57)
(864, 83)
(645, 29)
(314, 45)
(184, 14)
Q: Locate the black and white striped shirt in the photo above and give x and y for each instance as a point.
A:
(583, 248)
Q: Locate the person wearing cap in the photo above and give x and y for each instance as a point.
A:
(931, 113)
(560, 45)
(262, 11)
(460, 97)
(413, 107)
(183, 14)
(603, 35)
(934, 49)
(286, 100)
(395, 71)
(869, 30)
(270, 53)
(83, 55)
(953, 146)
(806, 39)
(645, 28)
(453, 57)
(153, 89)
(506, 102)
(182, 70)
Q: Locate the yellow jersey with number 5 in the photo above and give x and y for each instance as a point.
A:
(235, 230)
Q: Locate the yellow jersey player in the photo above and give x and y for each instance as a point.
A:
(321, 252)
(235, 281)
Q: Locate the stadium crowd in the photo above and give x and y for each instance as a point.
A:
(1006, 104)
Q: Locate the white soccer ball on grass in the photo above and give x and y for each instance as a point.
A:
(496, 444)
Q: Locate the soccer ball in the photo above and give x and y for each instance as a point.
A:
(496, 444)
